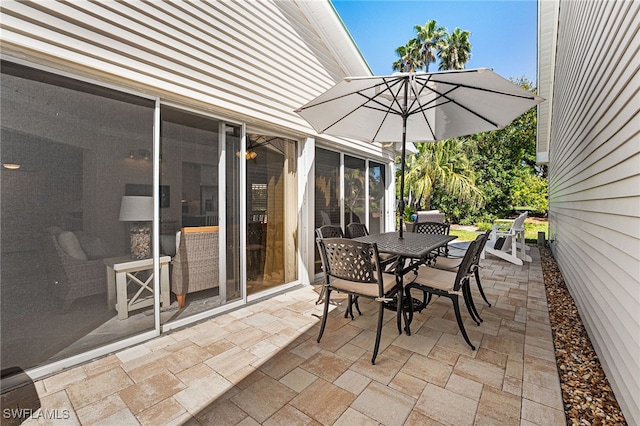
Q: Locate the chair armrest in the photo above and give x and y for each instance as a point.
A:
(500, 231)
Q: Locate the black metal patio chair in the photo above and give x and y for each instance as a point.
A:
(353, 268)
(452, 263)
(433, 281)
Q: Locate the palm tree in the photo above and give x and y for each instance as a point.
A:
(409, 57)
(429, 35)
(443, 164)
(454, 50)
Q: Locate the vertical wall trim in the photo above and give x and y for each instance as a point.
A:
(156, 217)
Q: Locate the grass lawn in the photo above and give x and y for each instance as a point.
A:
(531, 229)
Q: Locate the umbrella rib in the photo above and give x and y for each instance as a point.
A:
(484, 89)
(387, 109)
(444, 95)
(422, 108)
(394, 100)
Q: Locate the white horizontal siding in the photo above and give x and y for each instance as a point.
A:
(594, 178)
(257, 60)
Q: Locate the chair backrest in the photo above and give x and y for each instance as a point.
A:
(465, 265)
(430, 216)
(330, 231)
(350, 260)
(355, 230)
(431, 228)
(481, 240)
(211, 218)
(518, 224)
(255, 233)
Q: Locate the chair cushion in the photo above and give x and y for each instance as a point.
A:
(436, 278)
(68, 241)
(92, 246)
(364, 289)
(448, 263)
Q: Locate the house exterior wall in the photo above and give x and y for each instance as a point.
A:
(249, 64)
(254, 62)
(237, 58)
(594, 184)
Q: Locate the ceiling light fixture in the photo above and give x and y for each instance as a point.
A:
(11, 166)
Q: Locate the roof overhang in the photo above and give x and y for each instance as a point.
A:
(325, 20)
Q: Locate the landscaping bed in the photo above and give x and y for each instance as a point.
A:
(587, 395)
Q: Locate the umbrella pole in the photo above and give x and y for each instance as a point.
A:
(404, 146)
(404, 151)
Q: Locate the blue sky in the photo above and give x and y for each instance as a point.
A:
(503, 33)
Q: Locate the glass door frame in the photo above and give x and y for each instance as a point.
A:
(389, 190)
(243, 209)
(222, 216)
(91, 354)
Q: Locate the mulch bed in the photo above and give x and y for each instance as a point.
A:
(587, 395)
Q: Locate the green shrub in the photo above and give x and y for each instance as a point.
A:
(484, 226)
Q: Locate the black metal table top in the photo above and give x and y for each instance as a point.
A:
(413, 245)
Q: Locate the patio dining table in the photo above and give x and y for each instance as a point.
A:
(412, 250)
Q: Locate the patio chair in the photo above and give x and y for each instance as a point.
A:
(354, 268)
(452, 263)
(438, 228)
(355, 230)
(506, 241)
(329, 231)
(195, 266)
(450, 284)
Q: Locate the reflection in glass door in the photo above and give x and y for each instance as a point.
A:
(70, 150)
(272, 216)
(196, 230)
(377, 186)
(355, 180)
(327, 193)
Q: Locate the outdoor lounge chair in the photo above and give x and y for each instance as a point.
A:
(354, 268)
(506, 241)
(450, 284)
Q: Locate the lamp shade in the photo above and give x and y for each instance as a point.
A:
(136, 209)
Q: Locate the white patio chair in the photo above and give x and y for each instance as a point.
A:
(507, 241)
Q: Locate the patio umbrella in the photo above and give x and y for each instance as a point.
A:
(417, 107)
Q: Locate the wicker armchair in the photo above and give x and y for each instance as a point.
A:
(196, 264)
(72, 278)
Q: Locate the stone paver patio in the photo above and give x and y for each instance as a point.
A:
(261, 365)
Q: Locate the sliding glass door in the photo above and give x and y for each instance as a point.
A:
(272, 216)
(199, 221)
(357, 194)
(70, 152)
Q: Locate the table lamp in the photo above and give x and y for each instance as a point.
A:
(138, 210)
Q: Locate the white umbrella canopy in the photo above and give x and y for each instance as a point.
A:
(417, 107)
(439, 105)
